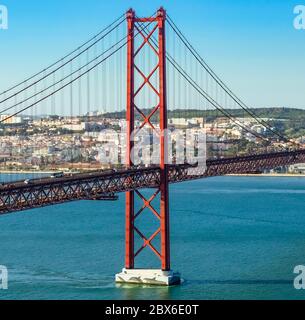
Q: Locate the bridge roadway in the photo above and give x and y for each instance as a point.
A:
(104, 185)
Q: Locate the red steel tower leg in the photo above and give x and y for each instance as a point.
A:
(164, 205)
(164, 275)
(129, 242)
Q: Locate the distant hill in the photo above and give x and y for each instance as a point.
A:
(291, 114)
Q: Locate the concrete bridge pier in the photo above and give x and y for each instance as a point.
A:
(148, 277)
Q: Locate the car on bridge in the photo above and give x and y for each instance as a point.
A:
(57, 175)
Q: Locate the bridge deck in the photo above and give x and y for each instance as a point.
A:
(18, 196)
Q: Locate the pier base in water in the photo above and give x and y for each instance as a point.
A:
(148, 277)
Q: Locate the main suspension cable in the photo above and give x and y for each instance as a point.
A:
(63, 58)
(79, 76)
(222, 84)
(63, 65)
(64, 78)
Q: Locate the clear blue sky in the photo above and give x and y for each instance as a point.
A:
(251, 44)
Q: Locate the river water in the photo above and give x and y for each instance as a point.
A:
(232, 238)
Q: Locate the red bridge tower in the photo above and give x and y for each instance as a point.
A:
(130, 274)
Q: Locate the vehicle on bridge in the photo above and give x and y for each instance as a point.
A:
(57, 175)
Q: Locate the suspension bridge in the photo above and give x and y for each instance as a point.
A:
(137, 78)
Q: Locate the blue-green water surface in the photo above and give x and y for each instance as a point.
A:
(232, 238)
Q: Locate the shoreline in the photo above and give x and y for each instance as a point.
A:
(25, 172)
